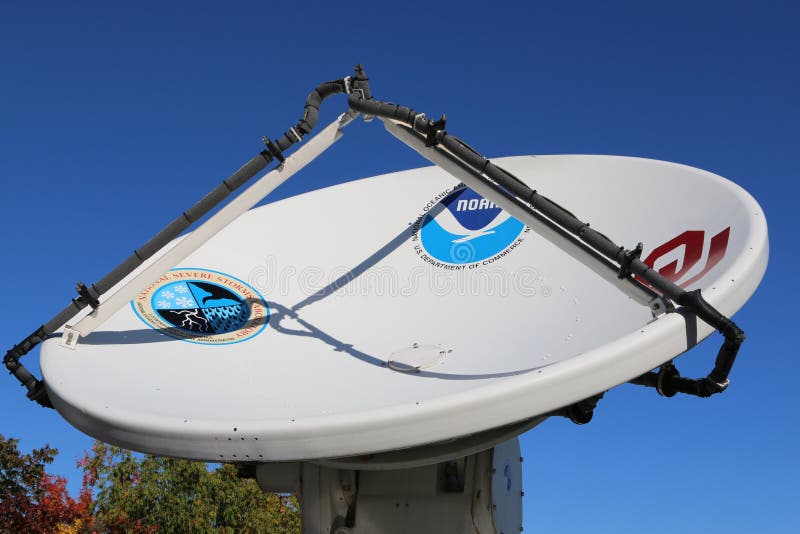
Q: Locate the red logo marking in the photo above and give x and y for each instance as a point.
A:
(692, 241)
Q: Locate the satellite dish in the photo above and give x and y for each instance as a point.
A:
(403, 311)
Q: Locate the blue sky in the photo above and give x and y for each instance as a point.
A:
(113, 118)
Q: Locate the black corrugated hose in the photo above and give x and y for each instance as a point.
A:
(88, 295)
(667, 381)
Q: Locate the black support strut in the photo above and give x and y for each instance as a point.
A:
(89, 295)
(628, 260)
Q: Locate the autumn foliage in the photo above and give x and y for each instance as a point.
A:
(31, 500)
(125, 492)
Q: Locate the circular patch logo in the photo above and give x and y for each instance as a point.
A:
(467, 228)
(202, 306)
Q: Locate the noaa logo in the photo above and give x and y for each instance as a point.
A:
(202, 306)
(464, 228)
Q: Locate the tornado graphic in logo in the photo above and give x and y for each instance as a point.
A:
(202, 306)
(468, 228)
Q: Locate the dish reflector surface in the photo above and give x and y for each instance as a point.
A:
(274, 340)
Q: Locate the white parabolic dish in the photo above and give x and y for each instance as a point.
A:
(393, 312)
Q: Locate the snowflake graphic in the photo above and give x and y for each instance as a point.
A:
(167, 294)
(162, 304)
(184, 302)
(181, 289)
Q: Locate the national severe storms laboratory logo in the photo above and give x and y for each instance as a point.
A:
(202, 306)
(460, 228)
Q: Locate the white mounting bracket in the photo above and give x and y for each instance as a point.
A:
(70, 338)
(476, 494)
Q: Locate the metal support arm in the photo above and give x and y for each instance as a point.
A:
(90, 295)
(501, 185)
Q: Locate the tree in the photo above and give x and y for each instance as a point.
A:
(124, 492)
(31, 500)
(157, 494)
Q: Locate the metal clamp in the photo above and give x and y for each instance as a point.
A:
(273, 149)
(627, 259)
(433, 128)
(86, 295)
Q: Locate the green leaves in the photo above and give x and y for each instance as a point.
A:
(132, 493)
(150, 493)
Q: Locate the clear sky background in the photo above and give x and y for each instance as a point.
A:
(115, 117)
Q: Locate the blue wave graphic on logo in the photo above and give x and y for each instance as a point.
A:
(200, 307)
(470, 228)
